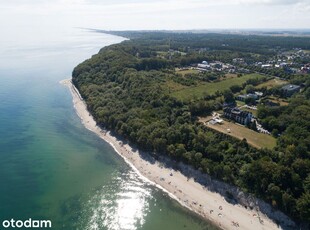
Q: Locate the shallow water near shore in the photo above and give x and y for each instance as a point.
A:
(51, 166)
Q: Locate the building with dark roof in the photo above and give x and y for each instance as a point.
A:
(289, 90)
(238, 115)
(245, 96)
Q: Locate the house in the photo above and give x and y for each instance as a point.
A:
(203, 66)
(289, 90)
(245, 96)
(216, 65)
(229, 104)
(259, 94)
(238, 115)
(238, 60)
(267, 66)
(305, 68)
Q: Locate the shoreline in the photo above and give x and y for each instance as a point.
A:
(209, 205)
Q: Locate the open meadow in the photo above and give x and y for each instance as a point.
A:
(204, 88)
(257, 140)
(271, 83)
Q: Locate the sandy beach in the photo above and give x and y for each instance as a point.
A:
(210, 205)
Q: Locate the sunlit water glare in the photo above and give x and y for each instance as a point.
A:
(122, 204)
(51, 167)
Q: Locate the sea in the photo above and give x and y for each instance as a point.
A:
(51, 166)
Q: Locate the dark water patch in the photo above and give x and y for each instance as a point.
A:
(70, 208)
(65, 128)
(17, 193)
(102, 157)
(60, 99)
(13, 112)
(15, 145)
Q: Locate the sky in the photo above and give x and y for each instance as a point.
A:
(29, 15)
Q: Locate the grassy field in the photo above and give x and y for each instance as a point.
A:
(188, 71)
(165, 53)
(172, 86)
(272, 83)
(240, 103)
(162, 54)
(230, 75)
(210, 88)
(281, 101)
(257, 140)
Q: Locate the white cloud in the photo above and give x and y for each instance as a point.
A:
(156, 14)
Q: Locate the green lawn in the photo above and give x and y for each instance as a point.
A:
(257, 140)
(188, 71)
(240, 103)
(230, 75)
(281, 101)
(162, 54)
(210, 88)
(172, 86)
(272, 83)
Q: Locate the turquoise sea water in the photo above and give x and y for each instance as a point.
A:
(51, 167)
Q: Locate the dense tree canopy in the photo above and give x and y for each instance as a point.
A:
(125, 88)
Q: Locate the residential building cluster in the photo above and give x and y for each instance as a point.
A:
(216, 66)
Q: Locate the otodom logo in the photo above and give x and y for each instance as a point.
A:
(27, 223)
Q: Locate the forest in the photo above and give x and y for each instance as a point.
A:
(125, 89)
